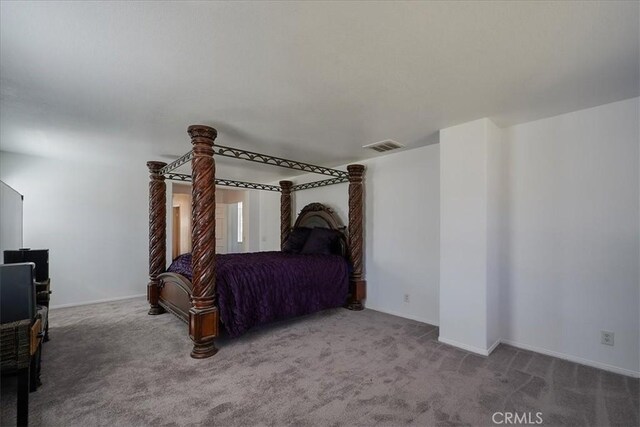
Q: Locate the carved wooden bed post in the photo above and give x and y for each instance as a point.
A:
(157, 233)
(356, 242)
(285, 211)
(203, 315)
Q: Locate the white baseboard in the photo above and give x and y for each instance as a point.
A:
(406, 316)
(575, 359)
(493, 346)
(472, 349)
(99, 301)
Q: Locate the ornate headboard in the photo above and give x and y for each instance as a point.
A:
(318, 215)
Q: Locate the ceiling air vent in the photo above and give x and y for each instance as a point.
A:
(383, 146)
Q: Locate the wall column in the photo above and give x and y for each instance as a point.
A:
(157, 233)
(203, 315)
(357, 283)
(285, 211)
(469, 245)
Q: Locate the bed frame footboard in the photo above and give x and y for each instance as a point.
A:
(174, 294)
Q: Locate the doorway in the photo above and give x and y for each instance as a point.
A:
(231, 215)
(180, 220)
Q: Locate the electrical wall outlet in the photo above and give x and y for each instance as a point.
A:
(406, 298)
(606, 337)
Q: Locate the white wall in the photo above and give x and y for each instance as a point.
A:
(470, 189)
(402, 226)
(573, 247)
(10, 219)
(93, 219)
(497, 231)
(269, 211)
(562, 233)
(402, 222)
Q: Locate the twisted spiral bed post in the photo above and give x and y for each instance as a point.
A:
(203, 315)
(358, 284)
(285, 211)
(157, 233)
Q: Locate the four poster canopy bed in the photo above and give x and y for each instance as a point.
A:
(320, 266)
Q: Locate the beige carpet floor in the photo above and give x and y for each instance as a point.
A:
(113, 365)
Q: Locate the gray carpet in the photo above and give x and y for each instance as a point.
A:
(113, 365)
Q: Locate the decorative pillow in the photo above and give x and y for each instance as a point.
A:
(296, 240)
(322, 241)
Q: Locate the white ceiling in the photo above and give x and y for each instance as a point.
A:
(308, 81)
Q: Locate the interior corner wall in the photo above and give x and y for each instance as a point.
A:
(402, 220)
(93, 219)
(573, 248)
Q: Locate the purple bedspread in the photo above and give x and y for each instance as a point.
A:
(257, 288)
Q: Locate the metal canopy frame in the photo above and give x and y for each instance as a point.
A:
(225, 182)
(338, 176)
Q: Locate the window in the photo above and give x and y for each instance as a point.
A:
(239, 222)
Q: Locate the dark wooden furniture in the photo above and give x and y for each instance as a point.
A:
(318, 215)
(195, 301)
(43, 297)
(21, 331)
(15, 338)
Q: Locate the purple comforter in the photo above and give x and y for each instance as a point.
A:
(257, 288)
